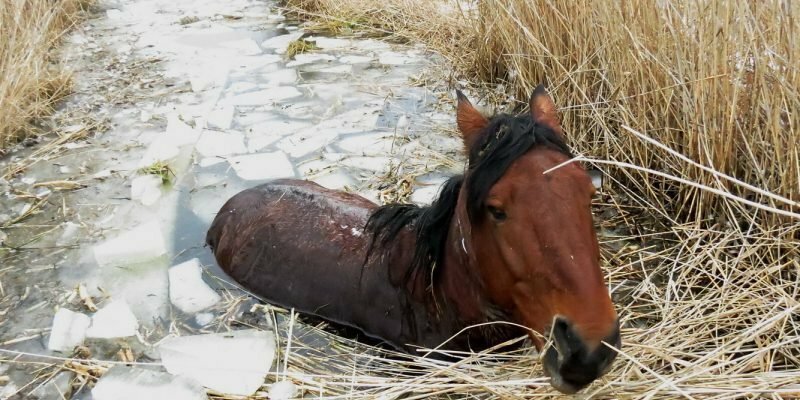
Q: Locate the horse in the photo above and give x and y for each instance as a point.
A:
(508, 248)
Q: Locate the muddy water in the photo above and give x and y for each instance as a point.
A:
(204, 88)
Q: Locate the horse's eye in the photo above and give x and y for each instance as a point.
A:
(497, 214)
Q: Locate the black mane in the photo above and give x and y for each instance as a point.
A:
(505, 139)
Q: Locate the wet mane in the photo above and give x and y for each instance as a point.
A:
(505, 139)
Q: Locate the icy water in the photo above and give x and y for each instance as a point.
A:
(203, 90)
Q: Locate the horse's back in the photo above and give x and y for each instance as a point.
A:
(300, 245)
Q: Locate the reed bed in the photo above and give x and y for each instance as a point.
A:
(32, 80)
(691, 110)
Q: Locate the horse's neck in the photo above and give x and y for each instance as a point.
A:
(461, 286)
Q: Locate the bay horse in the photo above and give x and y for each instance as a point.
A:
(507, 241)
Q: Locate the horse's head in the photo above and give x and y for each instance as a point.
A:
(534, 240)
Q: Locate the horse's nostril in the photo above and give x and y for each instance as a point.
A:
(566, 339)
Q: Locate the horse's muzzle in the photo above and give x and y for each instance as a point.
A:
(571, 364)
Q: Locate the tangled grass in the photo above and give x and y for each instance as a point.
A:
(32, 81)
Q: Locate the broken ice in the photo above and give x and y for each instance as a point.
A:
(145, 242)
(187, 290)
(213, 143)
(283, 390)
(126, 383)
(146, 189)
(112, 321)
(281, 43)
(221, 117)
(231, 363)
(262, 166)
(69, 330)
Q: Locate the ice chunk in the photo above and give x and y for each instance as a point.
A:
(204, 318)
(282, 76)
(309, 58)
(375, 164)
(209, 161)
(262, 166)
(330, 43)
(167, 146)
(126, 383)
(206, 202)
(370, 45)
(146, 189)
(205, 77)
(394, 58)
(262, 97)
(114, 14)
(425, 195)
(213, 143)
(246, 46)
(241, 87)
(256, 142)
(69, 330)
(367, 144)
(355, 59)
(232, 363)
(306, 141)
(339, 69)
(140, 244)
(283, 390)
(187, 290)
(144, 286)
(10, 389)
(112, 321)
(221, 117)
(70, 231)
(56, 389)
(281, 43)
(334, 180)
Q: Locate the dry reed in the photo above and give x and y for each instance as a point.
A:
(691, 109)
(32, 81)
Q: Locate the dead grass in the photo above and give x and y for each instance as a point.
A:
(32, 81)
(691, 108)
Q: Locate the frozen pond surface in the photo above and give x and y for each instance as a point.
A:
(203, 91)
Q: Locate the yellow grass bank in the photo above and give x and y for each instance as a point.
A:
(30, 78)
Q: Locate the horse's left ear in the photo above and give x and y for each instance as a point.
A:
(543, 110)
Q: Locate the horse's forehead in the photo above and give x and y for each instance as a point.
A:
(544, 165)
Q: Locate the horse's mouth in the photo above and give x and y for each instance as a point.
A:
(550, 362)
(570, 374)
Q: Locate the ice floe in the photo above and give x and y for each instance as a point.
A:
(114, 320)
(262, 166)
(146, 189)
(139, 244)
(187, 290)
(281, 43)
(260, 97)
(127, 383)
(215, 143)
(231, 362)
(68, 331)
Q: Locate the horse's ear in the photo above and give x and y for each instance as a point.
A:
(470, 121)
(543, 110)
